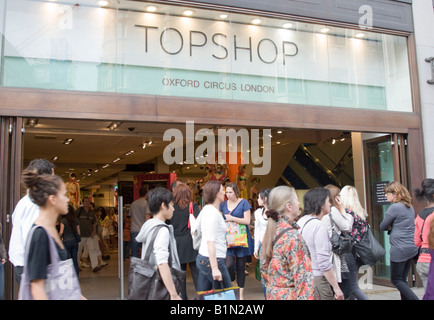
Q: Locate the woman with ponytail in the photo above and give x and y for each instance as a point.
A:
(285, 261)
(49, 193)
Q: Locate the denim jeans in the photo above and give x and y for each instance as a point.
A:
(350, 280)
(72, 247)
(205, 281)
(398, 274)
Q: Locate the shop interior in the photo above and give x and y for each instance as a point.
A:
(107, 157)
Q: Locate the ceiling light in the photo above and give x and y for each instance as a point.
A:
(256, 21)
(280, 131)
(187, 13)
(102, 3)
(324, 30)
(32, 122)
(224, 16)
(105, 166)
(68, 141)
(55, 158)
(114, 125)
(287, 25)
(360, 35)
(151, 8)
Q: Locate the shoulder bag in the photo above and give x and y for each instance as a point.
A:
(62, 281)
(368, 251)
(341, 243)
(144, 280)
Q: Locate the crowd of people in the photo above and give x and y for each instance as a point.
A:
(294, 249)
(296, 257)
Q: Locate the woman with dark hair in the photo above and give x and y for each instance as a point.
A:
(285, 263)
(316, 205)
(49, 193)
(182, 230)
(422, 227)
(211, 259)
(399, 223)
(160, 202)
(103, 224)
(237, 210)
(69, 229)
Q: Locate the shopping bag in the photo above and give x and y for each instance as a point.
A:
(236, 234)
(232, 293)
(62, 280)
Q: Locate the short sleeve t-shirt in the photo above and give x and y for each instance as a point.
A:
(86, 220)
(39, 255)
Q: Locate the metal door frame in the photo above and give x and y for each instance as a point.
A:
(11, 151)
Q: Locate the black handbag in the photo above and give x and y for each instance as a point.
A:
(341, 243)
(144, 280)
(368, 251)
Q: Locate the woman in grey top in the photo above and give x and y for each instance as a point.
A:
(399, 222)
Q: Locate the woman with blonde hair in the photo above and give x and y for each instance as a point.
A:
(285, 260)
(399, 223)
(350, 281)
(340, 221)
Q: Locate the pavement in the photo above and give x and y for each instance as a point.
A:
(104, 285)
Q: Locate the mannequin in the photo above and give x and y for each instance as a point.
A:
(241, 180)
(73, 191)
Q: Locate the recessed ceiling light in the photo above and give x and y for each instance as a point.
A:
(324, 30)
(151, 8)
(224, 16)
(360, 35)
(68, 141)
(103, 3)
(187, 13)
(287, 25)
(256, 21)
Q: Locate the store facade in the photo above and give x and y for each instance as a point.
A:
(315, 66)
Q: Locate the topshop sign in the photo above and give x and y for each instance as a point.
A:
(219, 45)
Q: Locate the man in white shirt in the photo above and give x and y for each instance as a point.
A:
(23, 217)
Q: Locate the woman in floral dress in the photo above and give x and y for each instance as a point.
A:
(285, 260)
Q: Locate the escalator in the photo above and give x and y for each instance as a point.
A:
(316, 166)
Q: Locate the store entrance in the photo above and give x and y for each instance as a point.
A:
(106, 158)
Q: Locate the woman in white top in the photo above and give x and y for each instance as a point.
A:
(211, 260)
(261, 222)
